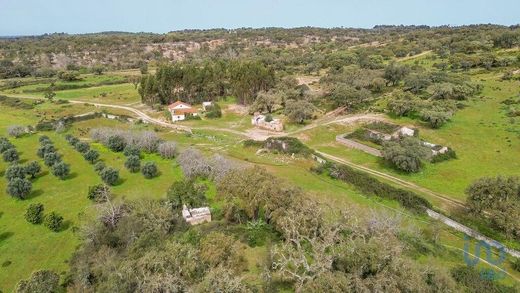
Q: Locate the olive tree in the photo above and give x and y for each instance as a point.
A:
(82, 147)
(133, 164)
(53, 221)
(91, 156)
(5, 144)
(15, 171)
(10, 156)
(51, 158)
(19, 188)
(109, 175)
(34, 213)
(44, 149)
(61, 170)
(149, 170)
(32, 169)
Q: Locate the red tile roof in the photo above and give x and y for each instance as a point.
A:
(177, 104)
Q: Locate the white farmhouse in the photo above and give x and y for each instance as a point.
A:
(181, 110)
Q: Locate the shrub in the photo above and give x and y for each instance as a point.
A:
(99, 166)
(213, 111)
(16, 130)
(15, 171)
(51, 158)
(149, 170)
(34, 213)
(40, 281)
(53, 221)
(32, 169)
(19, 188)
(109, 175)
(10, 155)
(61, 170)
(98, 192)
(116, 143)
(133, 164)
(435, 118)
(91, 156)
(73, 141)
(253, 143)
(82, 147)
(448, 155)
(132, 150)
(287, 145)
(167, 150)
(44, 149)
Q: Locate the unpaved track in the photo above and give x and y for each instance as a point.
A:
(349, 119)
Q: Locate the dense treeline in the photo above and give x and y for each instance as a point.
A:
(194, 83)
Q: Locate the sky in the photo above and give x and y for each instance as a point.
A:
(34, 17)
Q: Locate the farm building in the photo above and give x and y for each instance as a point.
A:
(181, 110)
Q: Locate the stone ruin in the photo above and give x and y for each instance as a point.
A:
(259, 121)
(197, 215)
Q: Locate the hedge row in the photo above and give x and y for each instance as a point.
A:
(371, 186)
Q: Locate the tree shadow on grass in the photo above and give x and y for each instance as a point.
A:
(120, 181)
(5, 235)
(71, 176)
(22, 161)
(65, 225)
(35, 193)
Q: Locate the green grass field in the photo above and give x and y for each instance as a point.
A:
(479, 134)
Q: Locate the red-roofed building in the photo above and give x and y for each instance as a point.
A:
(181, 110)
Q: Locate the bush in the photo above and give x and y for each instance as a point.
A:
(287, 145)
(98, 192)
(149, 170)
(19, 188)
(10, 156)
(34, 213)
(253, 143)
(53, 221)
(132, 150)
(73, 141)
(372, 186)
(45, 149)
(91, 156)
(167, 150)
(15, 171)
(51, 158)
(16, 130)
(40, 281)
(109, 175)
(99, 166)
(448, 155)
(32, 169)
(82, 147)
(133, 164)
(116, 143)
(213, 111)
(61, 170)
